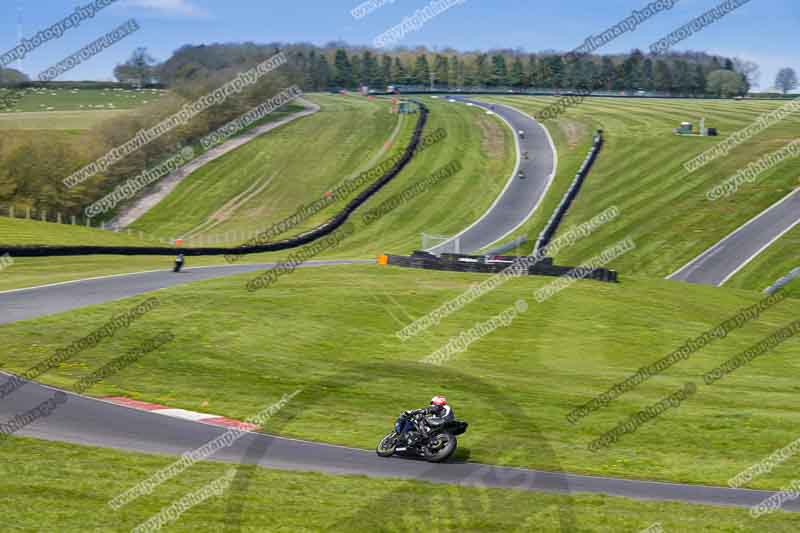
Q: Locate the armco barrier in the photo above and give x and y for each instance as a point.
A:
(305, 238)
(558, 215)
(785, 280)
(456, 263)
(508, 246)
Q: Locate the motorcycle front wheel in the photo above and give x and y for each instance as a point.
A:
(440, 448)
(387, 445)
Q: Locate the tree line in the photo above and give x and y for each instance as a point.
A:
(678, 74)
(11, 76)
(34, 164)
(32, 167)
(338, 66)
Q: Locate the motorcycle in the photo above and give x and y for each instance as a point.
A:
(435, 442)
(178, 263)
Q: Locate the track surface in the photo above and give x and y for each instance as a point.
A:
(520, 198)
(83, 420)
(22, 304)
(88, 421)
(719, 263)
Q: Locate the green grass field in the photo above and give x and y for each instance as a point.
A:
(663, 207)
(27, 272)
(33, 271)
(85, 99)
(60, 487)
(330, 331)
(269, 177)
(18, 231)
(56, 120)
(73, 109)
(481, 144)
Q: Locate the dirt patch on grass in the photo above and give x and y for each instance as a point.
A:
(130, 213)
(222, 214)
(493, 140)
(574, 131)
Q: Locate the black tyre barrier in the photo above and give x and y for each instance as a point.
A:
(558, 215)
(305, 238)
(453, 263)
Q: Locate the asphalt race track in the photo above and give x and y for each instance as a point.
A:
(22, 304)
(88, 421)
(720, 262)
(520, 198)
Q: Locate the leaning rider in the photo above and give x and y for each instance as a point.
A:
(179, 262)
(437, 414)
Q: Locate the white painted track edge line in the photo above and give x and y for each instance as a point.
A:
(732, 234)
(508, 184)
(131, 407)
(550, 179)
(567, 475)
(758, 252)
(68, 282)
(48, 285)
(313, 263)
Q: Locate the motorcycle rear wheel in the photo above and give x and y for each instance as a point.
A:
(387, 446)
(442, 451)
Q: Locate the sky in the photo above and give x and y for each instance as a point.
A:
(764, 31)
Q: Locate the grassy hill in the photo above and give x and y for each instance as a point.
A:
(663, 207)
(331, 330)
(17, 231)
(484, 147)
(64, 487)
(276, 172)
(480, 143)
(236, 351)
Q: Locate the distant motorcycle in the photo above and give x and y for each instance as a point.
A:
(178, 263)
(433, 441)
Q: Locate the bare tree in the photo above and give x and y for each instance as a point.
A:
(138, 69)
(786, 80)
(749, 69)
